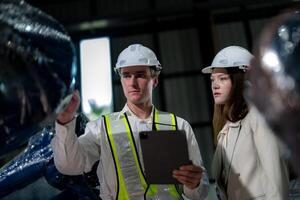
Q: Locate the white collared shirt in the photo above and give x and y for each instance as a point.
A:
(74, 156)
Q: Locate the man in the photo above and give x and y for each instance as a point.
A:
(114, 138)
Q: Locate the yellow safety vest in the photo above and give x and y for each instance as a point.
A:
(130, 177)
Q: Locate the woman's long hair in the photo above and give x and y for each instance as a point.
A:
(235, 108)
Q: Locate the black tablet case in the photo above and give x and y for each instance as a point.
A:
(163, 151)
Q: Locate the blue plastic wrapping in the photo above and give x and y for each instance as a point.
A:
(29, 165)
(37, 71)
(36, 161)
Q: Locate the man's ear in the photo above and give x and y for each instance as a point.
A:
(155, 82)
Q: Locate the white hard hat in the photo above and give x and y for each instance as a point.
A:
(232, 56)
(137, 55)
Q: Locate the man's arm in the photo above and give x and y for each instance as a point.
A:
(72, 155)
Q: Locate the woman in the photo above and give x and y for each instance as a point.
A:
(247, 162)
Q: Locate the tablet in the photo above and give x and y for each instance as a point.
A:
(163, 151)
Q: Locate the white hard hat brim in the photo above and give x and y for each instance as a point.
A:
(209, 69)
(133, 65)
(158, 67)
(138, 64)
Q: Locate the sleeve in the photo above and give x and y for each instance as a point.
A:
(72, 155)
(270, 153)
(201, 191)
(105, 192)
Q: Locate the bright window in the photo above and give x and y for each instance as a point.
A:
(96, 80)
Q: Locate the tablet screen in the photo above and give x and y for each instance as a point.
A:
(163, 151)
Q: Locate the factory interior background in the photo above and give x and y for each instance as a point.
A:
(184, 34)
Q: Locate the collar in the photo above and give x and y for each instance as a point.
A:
(224, 131)
(129, 113)
(234, 124)
(228, 125)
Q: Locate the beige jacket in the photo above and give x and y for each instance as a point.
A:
(248, 159)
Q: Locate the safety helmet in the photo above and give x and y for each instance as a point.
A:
(137, 55)
(232, 56)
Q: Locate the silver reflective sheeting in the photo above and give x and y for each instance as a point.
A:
(126, 159)
(163, 193)
(164, 121)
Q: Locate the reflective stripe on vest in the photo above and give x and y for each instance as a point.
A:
(164, 120)
(131, 180)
